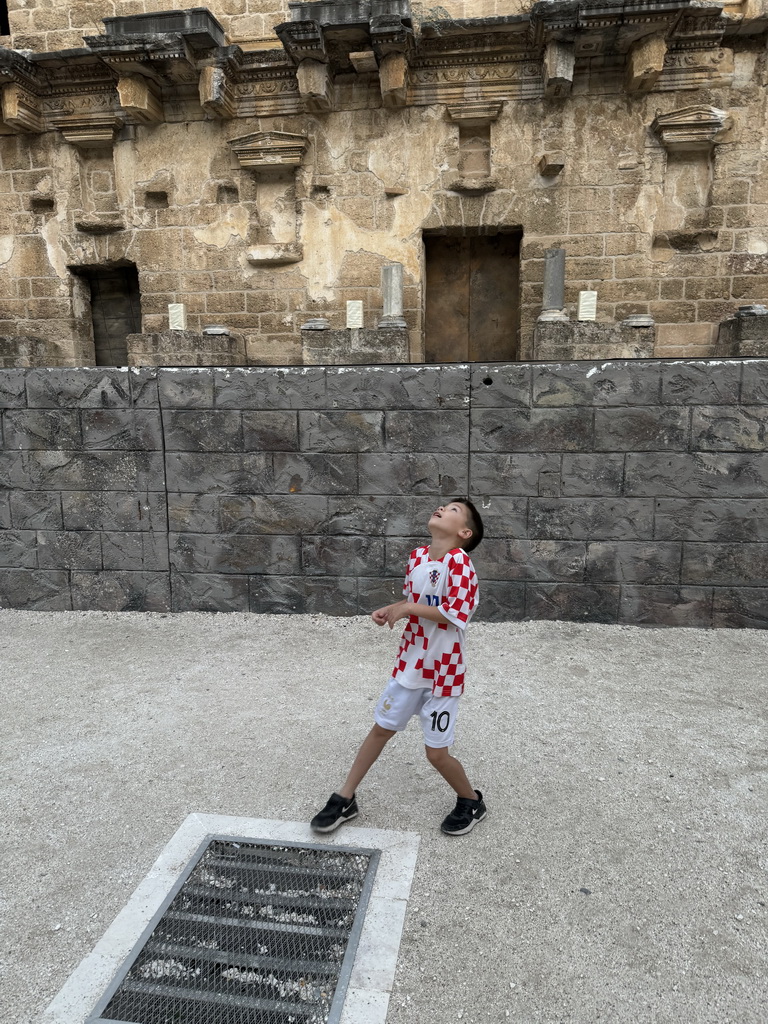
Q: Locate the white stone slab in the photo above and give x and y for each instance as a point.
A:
(587, 308)
(177, 316)
(373, 971)
(354, 314)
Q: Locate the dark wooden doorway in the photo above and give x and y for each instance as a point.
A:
(472, 307)
(115, 309)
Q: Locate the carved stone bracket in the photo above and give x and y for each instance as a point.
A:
(21, 110)
(645, 63)
(217, 92)
(270, 150)
(139, 99)
(315, 86)
(394, 80)
(692, 129)
(559, 63)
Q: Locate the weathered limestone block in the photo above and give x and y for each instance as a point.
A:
(315, 86)
(393, 78)
(24, 350)
(185, 348)
(139, 98)
(645, 62)
(363, 345)
(589, 340)
(745, 334)
(21, 109)
(217, 95)
(559, 62)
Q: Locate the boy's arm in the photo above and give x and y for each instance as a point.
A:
(391, 613)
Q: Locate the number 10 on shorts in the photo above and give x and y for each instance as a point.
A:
(440, 721)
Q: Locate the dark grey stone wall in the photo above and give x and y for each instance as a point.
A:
(633, 491)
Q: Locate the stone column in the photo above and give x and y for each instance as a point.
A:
(392, 290)
(553, 306)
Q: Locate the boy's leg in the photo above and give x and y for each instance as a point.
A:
(371, 747)
(438, 722)
(452, 771)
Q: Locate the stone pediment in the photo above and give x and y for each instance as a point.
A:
(269, 150)
(691, 128)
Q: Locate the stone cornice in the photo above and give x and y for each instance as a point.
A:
(659, 45)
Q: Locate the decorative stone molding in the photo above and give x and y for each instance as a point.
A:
(269, 150)
(691, 129)
(475, 113)
(92, 134)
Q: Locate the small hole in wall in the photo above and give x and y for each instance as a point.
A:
(227, 194)
(487, 380)
(321, 192)
(156, 200)
(42, 204)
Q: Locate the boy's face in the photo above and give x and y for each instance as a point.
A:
(450, 521)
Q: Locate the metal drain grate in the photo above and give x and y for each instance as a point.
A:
(253, 933)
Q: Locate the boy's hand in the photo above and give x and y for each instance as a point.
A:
(390, 614)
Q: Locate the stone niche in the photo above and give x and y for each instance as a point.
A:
(588, 340)
(745, 334)
(185, 348)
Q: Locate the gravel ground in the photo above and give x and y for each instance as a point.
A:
(620, 875)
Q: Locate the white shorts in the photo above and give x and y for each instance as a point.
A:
(398, 704)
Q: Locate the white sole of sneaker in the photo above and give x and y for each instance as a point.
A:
(336, 824)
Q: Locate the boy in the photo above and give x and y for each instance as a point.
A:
(440, 598)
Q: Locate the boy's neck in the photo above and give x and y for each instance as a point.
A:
(439, 547)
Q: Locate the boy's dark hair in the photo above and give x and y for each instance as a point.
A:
(474, 522)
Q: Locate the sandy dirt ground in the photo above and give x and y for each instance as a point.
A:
(621, 873)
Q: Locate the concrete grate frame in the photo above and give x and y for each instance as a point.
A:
(368, 973)
(253, 933)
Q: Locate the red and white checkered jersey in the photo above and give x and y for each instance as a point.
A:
(431, 654)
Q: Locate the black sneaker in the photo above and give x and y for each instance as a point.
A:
(465, 815)
(338, 810)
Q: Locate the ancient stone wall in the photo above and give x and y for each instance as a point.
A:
(631, 491)
(262, 188)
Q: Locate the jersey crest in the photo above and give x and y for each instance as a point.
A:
(434, 576)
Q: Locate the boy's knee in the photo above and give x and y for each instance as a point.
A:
(381, 733)
(436, 754)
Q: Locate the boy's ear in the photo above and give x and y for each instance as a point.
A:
(466, 533)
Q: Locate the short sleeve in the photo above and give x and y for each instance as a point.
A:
(461, 597)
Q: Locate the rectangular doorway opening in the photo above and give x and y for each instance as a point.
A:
(472, 295)
(115, 310)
